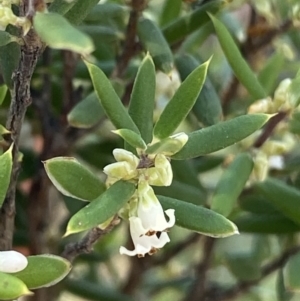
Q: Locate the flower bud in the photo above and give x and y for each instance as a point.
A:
(12, 261)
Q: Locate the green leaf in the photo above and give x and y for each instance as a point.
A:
(282, 293)
(80, 10)
(244, 266)
(207, 108)
(231, 184)
(181, 103)
(199, 219)
(61, 6)
(102, 208)
(86, 113)
(291, 273)
(3, 131)
(5, 171)
(109, 99)
(268, 76)
(11, 287)
(9, 60)
(168, 147)
(257, 204)
(183, 26)
(171, 10)
(221, 135)
(58, 33)
(238, 64)
(44, 271)
(265, 223)
(132, 138)
(182, 191)
(73, 179)
(6, 38)
(3, 90)
(283, 197)
(141, 104)
(153, 40)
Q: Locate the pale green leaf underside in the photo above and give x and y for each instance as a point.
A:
(58, 33)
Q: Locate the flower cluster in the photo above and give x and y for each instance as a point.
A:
(8, 17)
(12, 262)
(147, 221)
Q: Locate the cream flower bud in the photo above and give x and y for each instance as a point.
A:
(281, 95)
(261, 166)
(161, 174)
(12, 262)
(124, 155)
(6, 17)
(120, 170)
(264, 105)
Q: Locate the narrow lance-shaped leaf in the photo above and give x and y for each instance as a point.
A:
(185, 25)
(231, 184)
(3, 90)
(291, 273)
(181, 103)
(109, 99)
(132, 138)
(44, 271)
(58, 33)
(3, 131)
(199, 219)
(9, 60)
(73, 179)
(61, 6)
(6, 38)
(102, 208)
(207, 108)
(283, 197)
(141, 104)
(11, 287)
(80, 10)
(170, 11)
(5, 171)
(238, 64)
(154, 42)
(221, 135)
(265, 223)
(86, 113)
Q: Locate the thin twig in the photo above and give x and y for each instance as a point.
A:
(198, 288)
(269, 128)
(130, 46)
(20, 100)
(243, 286)
(73, 250)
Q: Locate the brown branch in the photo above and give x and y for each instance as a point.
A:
(197, 290)
(243, 286)
(73, 250)
(20, 100)
(130, 46)
(172, 252)
(269, 128)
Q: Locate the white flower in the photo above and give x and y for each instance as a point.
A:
(150, 219)
(151, 212)
(143, 244)
(12, 262)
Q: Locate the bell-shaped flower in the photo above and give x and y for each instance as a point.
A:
(12, 262)
(143, 244)
(150, 211)
(161, 174)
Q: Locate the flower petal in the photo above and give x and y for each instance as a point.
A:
(151, 212)
(12, 261)
(143, 244)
